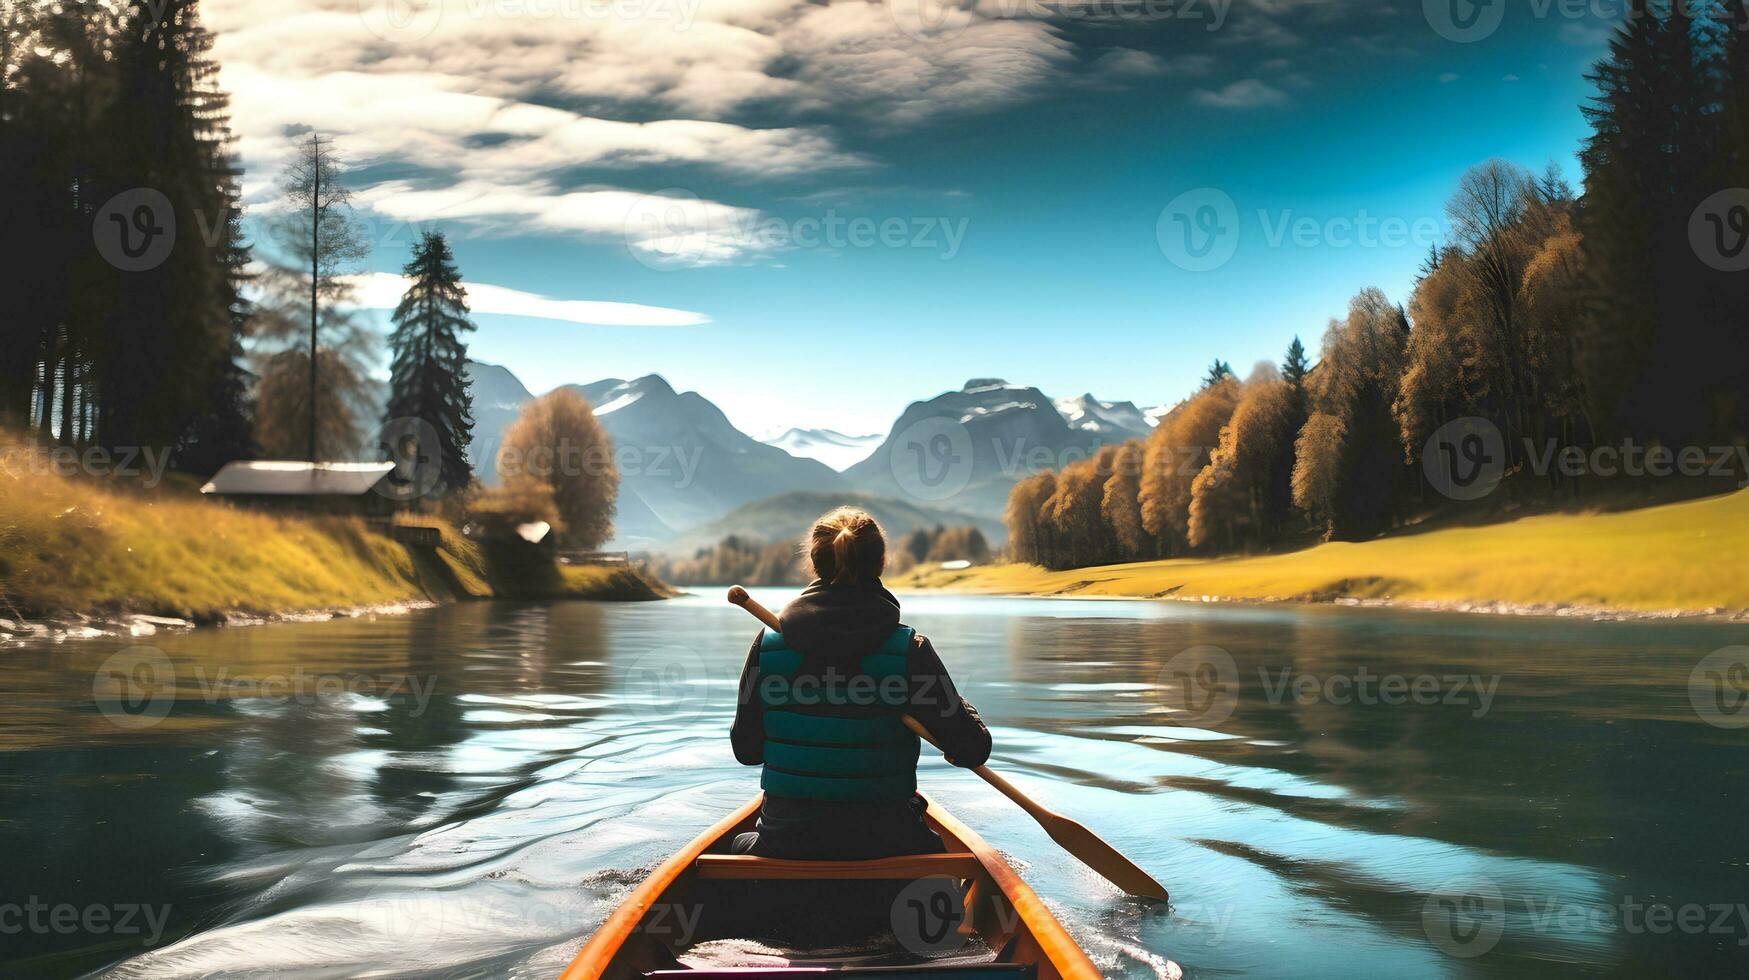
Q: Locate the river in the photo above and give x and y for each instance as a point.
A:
(466, 790)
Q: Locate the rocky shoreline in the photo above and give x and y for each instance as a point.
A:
(77, 626)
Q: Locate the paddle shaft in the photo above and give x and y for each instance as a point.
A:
(1076, 839)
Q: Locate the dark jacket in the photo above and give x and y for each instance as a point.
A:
(833, 628)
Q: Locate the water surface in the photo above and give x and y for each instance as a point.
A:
(467, 790)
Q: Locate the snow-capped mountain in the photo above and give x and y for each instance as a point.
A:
(682, 457)
(1111, 421)
(683, 465)
(835, 449)
(681, 462)
(1004, 433)
(498, 396)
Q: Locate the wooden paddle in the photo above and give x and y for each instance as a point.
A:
(1071, 836)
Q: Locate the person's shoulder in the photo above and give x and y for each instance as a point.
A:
(918, 640)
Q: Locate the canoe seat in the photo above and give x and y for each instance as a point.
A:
(946, 971)
(746, 867)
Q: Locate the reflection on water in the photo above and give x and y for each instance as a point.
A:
(467, 790)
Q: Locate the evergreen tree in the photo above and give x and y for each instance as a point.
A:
(59, 79)
(169, 319)
(1218, 371)
(1663, 347)
(1294, 368)
(225, 431)
(1429, 265)
(429, 380)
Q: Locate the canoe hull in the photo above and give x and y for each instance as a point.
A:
(971, 890)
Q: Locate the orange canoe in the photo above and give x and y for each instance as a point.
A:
(962, 915)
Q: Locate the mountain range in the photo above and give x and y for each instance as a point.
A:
(688, 476)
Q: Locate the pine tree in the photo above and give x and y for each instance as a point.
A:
(225, 431)
(1429, 265)
(1218, 371)
(1620, 160)
(430, 358)
(1294, 367)
(1660, 357)
(60, 78)
(168, 318)
(223, 428)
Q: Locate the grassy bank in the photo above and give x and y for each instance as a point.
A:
(1673, 557)
(76, 545)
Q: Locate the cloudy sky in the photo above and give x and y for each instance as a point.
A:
(813, 213)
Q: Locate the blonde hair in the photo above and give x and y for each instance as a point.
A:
(847, 547)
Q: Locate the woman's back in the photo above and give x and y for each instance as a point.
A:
(820, 705)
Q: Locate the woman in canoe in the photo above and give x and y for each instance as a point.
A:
(820, 708)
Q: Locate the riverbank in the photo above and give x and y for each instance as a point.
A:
(78, 555)
(1683, 559)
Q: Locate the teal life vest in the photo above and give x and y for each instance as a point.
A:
(822, 741)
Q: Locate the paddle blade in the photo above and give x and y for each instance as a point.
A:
(1102, 857)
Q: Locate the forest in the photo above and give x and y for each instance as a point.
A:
(143, 317)
(1557, 321)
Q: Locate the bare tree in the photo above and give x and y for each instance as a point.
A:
(1488, 214)
(322, 237)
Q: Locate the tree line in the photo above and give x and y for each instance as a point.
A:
(748, 561)
(115, 107)
(1560, 319)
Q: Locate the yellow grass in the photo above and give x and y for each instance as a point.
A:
(76, 544)
(1685, 556)
(621, 582)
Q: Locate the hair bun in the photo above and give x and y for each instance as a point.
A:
(847, 547)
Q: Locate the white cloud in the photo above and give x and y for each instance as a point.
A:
(512, 114)
(1129, 63)
(664, 228)
(383, 291)
(431, 121)
(1249, 93)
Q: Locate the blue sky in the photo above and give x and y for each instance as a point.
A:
(735, 166)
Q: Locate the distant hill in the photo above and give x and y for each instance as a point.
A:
(835, 449)
(788, 515)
